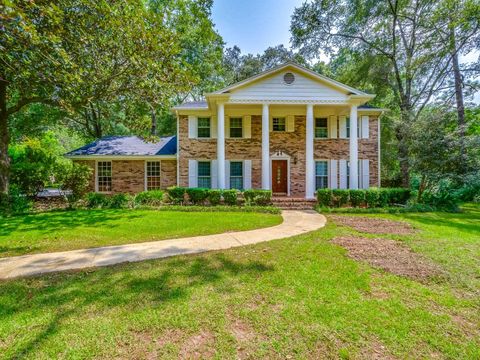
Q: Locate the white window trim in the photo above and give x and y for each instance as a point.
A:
(315, 172)
(211, 177)
(210, 127)
(146, 173)
(243, 171)
(279, 117)
(96, 175)
(314, 128)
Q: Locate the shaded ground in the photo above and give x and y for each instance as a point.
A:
(389, 255)
(373, 225)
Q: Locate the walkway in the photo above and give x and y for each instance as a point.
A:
(294, 223)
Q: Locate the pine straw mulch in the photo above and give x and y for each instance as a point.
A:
(372, 225)
(389, 255)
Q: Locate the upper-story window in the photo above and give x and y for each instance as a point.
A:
(348, 126)
(236, 127)
(104, 176)
(203, 127)
(321, 128)
(279, 124)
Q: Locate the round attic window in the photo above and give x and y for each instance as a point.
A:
(289, 78)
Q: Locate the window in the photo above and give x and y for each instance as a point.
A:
(279, 124)
(348, 174)
(321, 175)
(104, 176)
(321, 128)
(236, 175)
(153, 175)
(204, 175)
(236, 129)
(348, 127)
(203, 127)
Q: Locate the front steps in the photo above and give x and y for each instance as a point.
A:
(289, 203)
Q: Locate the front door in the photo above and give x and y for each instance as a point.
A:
(279, 177)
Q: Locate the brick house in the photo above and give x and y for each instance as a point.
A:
(288, 129)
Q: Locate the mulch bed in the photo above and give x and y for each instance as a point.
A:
(373, 225)
(389, 255)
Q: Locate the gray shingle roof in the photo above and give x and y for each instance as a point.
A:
(127, 146)
(193, 104)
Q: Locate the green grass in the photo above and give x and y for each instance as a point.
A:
(299, 297)
(68, 230)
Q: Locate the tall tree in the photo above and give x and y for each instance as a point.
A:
(76, 54)
(390, 31)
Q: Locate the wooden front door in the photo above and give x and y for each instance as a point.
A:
(279, 176)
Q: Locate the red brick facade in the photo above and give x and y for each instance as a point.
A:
(128, 176)
(291, 144)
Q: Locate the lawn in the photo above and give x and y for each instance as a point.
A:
(300, 297)
(68, 230)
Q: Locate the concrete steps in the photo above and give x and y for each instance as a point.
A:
(289, 203)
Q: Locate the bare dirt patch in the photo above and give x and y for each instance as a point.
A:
(372, 225)
(389, 255)
(199, 346)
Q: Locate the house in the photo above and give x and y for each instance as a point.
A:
(287, 129)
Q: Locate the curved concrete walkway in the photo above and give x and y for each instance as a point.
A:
(294, 223)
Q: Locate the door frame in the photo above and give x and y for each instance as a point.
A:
(281, 156)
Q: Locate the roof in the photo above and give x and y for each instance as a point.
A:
(193, 105)
(299, 68)
(127, 146)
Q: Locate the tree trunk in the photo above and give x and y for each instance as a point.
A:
(154, 121)
(459, 98)
(403, 156)
(4, 138)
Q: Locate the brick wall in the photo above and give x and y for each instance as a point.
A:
(290, 143)
(128, 176)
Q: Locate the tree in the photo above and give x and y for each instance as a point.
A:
(79, 55)
(239, 67)
(390, 32)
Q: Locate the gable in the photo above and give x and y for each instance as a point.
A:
(303, 88)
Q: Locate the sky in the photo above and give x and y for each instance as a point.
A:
(254, 25)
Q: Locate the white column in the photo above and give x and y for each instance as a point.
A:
(353, 147)
(221, 145)
(265, 148)
(309, 161)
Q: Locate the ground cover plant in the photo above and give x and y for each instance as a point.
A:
(68, 230)
(301, 297)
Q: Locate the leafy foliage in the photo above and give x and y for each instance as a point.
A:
(230, 197)
(257, 197)
(75, 180)
(151, 198)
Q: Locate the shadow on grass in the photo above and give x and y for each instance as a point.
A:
(467, 221)
(52, 221)
(66, 295)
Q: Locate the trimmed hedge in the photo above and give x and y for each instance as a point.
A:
(214, 197)
(197, 196)
(230, 197)
(151, 198)
(258, 197)
(372, 198)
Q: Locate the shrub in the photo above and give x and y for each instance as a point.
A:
(214, 196)
(96, 200)
(340, 197)
(176, 194)
(76, 179)
(398, 195)
(372, 198)
(197, 195)
(324, 197)
(14, 202)
(357, 197)
(383, 198)
(258, 197)
(151, 198)
(119, 201)
(230, 197)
